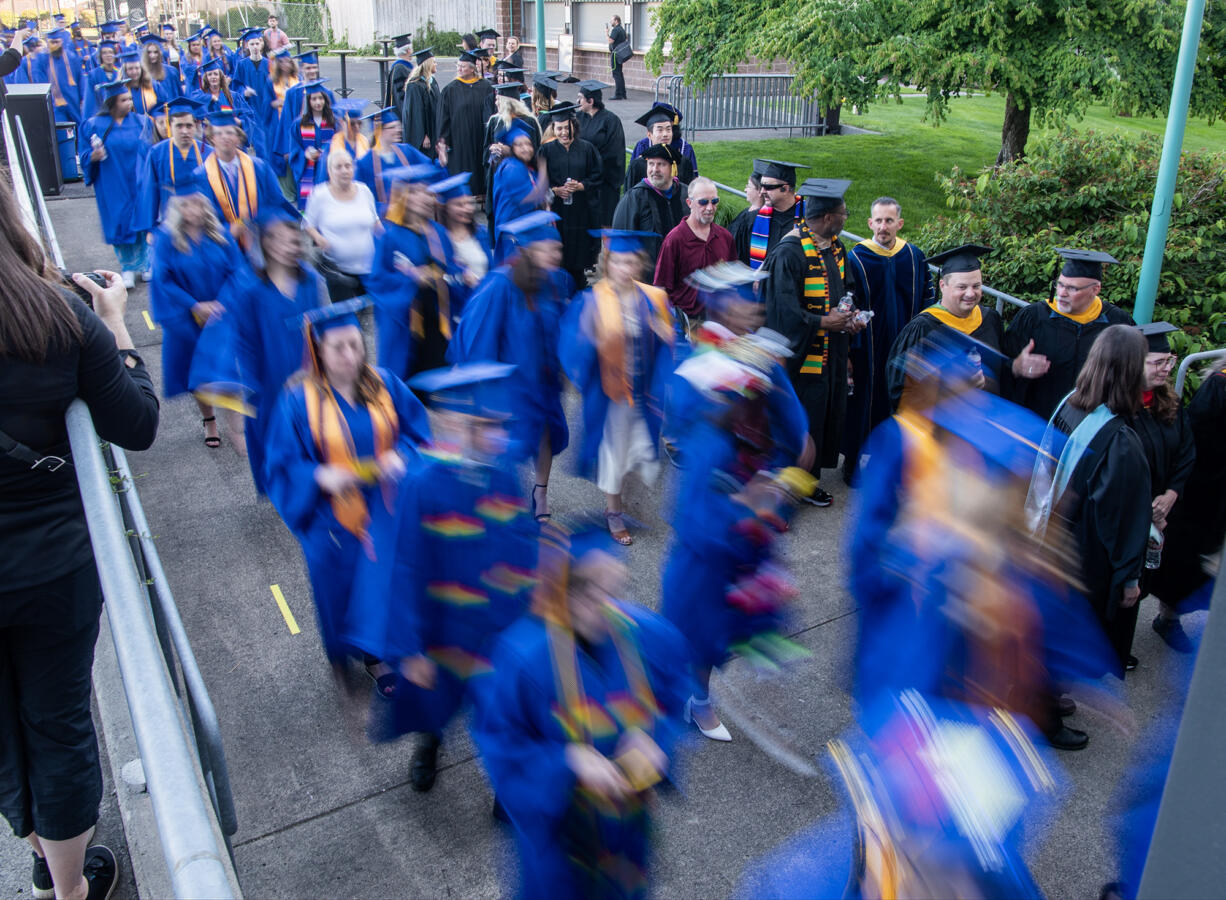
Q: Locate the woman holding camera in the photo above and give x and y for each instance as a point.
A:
(54, 349)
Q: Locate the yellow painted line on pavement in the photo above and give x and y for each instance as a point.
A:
(148, 321)
(284, 607)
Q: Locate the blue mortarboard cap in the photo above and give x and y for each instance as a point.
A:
(177, 105)
(450, 188)
(221, 118)
(622, 241)
(59, 17)
(517, 130)
(310, 57)
(129, 54)
(314, 87)
(107, 43)
(272, 213)
(110, 89)
(383, 116)
(152, 39)
(532, 228)
(282, 53)
(59, 34)
(211, 64)
(143, 26)
(195, 36)
(415, 174)
(349, 107)
(251, 34)
(477, 388)
(75, 23)
(32, 41)
(1007, 435)
(168, 26)
(32, 24)
(107, 28)
(335, 315)
(723, 282)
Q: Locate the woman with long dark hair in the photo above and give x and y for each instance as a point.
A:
(1100, 484)
(54, 349)
(146, 96)
(337, 446)
(311, 137)
(520, 184)
(193, 259)
(216, 96)
(164, 78)
(114, 147)
(515, 316)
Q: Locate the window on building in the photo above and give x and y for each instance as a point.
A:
(555, 10)
(589, 20)
(642, 29)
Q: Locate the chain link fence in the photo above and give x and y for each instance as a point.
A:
(300, 20)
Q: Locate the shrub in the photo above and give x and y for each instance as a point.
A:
(443, 42)
(1093, 190)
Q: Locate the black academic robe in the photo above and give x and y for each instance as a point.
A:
(397, 77)
(461, 127)
(1065, 343)
(419, 115)
(824, 396)
(782, 221)
(643, 208)
(1197, 523)
(1106, 508)
(990, 331)
(604, 132)
(637, 171)
(582, 163)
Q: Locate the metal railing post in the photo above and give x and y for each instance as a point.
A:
(1182, 375)
(188, 841)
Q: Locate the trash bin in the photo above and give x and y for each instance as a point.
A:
(66, 140)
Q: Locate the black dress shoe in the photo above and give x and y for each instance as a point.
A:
(424, 766)
(1132, 663)
(499, 812)
(819, 497)
(1065, 738)
(1067, 706)
(1171, 631)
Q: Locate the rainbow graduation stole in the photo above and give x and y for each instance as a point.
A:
(312, 137)
(760, 237)
(817, 297)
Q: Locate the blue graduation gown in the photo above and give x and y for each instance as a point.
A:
(250, 120)
(268, 347)
(453, 571)
(97, 77)
(267, 190)
(24, 73)
(291, 113)
(70, 88)
(399, 155)
(331, 551)
(161, 93)
(498, 326)
(896, 288)
(581, 362)
(513, 184)
(396, 296)
(251, 75)
(299, 165)
(116, 189)
(166, 168)
(558, 833)
(181, 280)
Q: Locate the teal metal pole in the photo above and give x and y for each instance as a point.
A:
(540, 34)
(1168, 168)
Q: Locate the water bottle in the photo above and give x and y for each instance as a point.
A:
(568, 199)
(863, 316)
(1153, 549)
(847, 304)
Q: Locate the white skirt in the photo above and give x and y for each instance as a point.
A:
(626, 446)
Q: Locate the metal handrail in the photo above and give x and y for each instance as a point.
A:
(189, 845)
(1182, 374)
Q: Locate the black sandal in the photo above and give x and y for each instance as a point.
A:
(385, 684)
(211, 442)
(540, 517)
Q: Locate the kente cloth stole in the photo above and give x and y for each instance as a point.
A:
(331, 435)
(966, 325)
(442, 296)
(760, 237)
(242, 208)
(615, 378)
(817, 297)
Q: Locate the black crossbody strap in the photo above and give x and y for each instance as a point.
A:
(16, 450)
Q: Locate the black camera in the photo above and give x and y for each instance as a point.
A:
(80, 291)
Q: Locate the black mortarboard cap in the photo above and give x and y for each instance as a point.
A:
(509, 89)
(544, 81)
(424, 54)
(1084, 263)
(775, 168)
(822, 194)
(659, 112)
(486, 34)
(1156, 335)
(591, 86)
(560, 112)
(403, 40)
(506, 65)
(468, 56)
(660, 151)
(960, 259)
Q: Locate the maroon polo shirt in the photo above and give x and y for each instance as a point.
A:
(684, 252)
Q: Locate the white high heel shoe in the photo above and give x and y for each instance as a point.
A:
(718, 733)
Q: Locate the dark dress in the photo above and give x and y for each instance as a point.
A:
(604, 131)
(581, 162)
(990, 332)
(419, 113)
(1065, 343)
(50, 600)
(461, 126)
(1106, 508)
(824, 395)
(643, 208)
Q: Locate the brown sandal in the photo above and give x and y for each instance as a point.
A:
(621, 535)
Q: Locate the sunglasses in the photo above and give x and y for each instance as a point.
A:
(773, 187)
(708, 201)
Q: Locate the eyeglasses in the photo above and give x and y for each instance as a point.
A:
(707, 201)
(1161, 362)
(773, 187)
(1065, 287)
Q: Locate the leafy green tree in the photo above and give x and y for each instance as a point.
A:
(1049, 58)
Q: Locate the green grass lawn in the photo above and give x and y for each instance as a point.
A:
(903, 160)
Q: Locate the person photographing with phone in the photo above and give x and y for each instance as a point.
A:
(617, 36)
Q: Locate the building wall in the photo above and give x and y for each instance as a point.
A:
(585, 19)
(358, 22)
